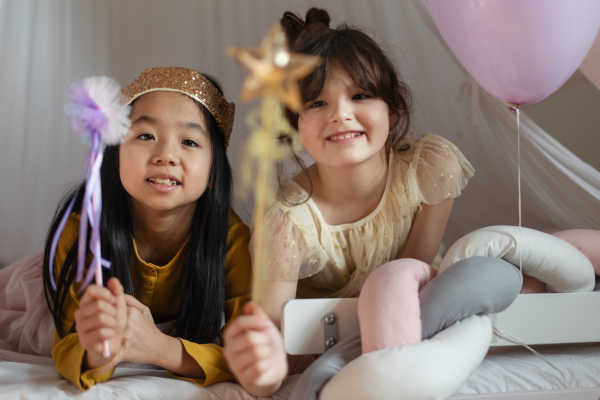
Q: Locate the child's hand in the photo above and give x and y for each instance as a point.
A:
(142, 337)
(143, 342)
(254, 351)
(102, 315)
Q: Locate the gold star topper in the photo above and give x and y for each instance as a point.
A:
(274, 69)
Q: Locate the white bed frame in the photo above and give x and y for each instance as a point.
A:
(544, 318)
(312, 326)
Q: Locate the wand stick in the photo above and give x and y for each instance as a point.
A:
(274, 75)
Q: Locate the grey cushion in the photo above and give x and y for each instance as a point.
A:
(477, 285)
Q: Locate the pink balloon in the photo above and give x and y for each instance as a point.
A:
(520, 51)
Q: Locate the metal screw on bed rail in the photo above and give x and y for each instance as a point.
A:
(330, 319)
(330, 331)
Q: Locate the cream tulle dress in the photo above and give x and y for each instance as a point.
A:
(334, 261)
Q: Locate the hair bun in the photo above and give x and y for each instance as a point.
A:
(293, 25)
(317, 15)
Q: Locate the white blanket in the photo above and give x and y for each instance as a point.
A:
(21, 381)
(28, 372)
(513, 369)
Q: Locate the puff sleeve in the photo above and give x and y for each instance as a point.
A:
(439, 169)
(284, 246)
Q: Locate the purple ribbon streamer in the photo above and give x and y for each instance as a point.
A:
(91, 210)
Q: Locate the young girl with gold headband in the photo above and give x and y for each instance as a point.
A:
(178, 252)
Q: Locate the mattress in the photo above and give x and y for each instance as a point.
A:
(20, 381)
(513, 369)
(505, 369)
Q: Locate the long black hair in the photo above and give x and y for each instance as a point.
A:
(202, 301)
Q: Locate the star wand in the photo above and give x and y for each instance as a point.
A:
(274, 75)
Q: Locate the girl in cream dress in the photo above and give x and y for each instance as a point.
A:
(373, 195)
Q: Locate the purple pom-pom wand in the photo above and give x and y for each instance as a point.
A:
(98, 117)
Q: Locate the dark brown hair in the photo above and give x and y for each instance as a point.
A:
(359, 56)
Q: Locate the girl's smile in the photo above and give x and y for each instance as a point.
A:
(163, 182)
(345, 125)
(345, 137)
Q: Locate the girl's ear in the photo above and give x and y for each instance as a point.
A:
(393, 119)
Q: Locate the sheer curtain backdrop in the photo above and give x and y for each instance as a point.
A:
(591, 65)
(47, 44)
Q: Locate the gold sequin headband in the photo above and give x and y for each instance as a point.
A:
(188, 82)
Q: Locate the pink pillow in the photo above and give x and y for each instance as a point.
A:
(388, 307)
(586, 241)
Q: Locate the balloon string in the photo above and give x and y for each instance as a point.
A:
(518, 112)
(498, 332)
(515, 109)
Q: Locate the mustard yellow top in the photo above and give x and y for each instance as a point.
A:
(154, 285)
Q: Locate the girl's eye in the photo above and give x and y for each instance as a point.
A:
(317, 104)
(189, 143)
(360, 96)
(146, 136)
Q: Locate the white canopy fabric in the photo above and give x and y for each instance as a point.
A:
(47, 44)
(591, 64)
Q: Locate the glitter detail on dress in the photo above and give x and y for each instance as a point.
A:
(188, 82)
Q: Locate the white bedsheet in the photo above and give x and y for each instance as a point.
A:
(28, 372)
(21, 381)
(503, 370)
(512, 369)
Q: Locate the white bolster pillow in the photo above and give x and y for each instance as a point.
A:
(553, 261)
(432, 369)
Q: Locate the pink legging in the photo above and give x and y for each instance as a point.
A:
(388, 307)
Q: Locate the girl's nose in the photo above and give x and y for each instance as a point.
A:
(166, 154)
(342, 111)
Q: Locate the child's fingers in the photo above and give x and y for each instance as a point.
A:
(93, 339)
(246, 340)
(97, 348)
(115, 287)
(95, 292)
(121, 304)
(97, 307)
(252, 355)
(258, 310)
(135, 303)
(252, 308)
(246, 322)
(248, 308)
(100, 321)
(253, 372)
